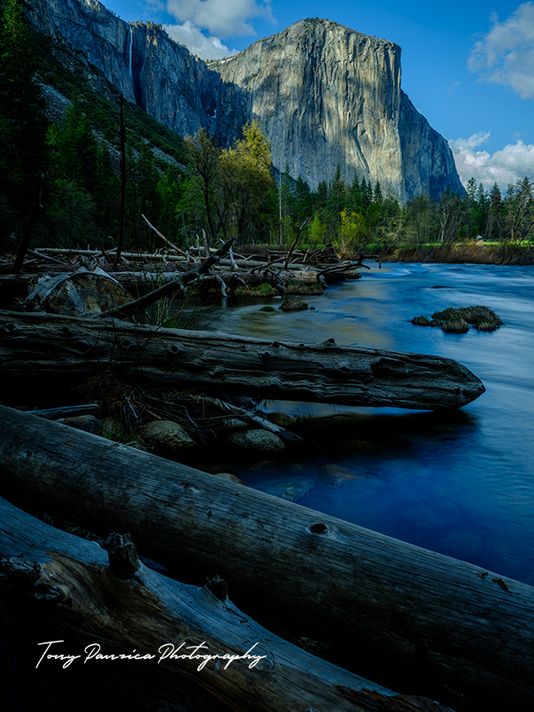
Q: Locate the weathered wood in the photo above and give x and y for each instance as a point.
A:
(127, 607)
(169, 244)
(66, 411)
(170, 287)
(451, 623)
(285, 435)
(38, 344)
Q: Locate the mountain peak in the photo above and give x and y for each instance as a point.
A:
(328, 97)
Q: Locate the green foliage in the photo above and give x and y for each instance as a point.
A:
(22, 125)
(249, 185)
(234, 186)
(352, 232)
(316, 231)
(194, 187)
(262, 291)
(71, 213)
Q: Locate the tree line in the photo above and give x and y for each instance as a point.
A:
(213, 193)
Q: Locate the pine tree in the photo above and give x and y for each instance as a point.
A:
(367, 193)
(378, 196)
(519, 215)
(355, 198)
(493, 229)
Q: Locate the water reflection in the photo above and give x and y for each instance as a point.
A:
(461, 485)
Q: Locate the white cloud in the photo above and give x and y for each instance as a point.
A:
(225, 18)
(197, 42)
(514, 161)
(203, 22)
(505, 55)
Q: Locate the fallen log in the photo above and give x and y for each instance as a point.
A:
(169, 288)
(66, 411)
(44, 345)
(127, 606)
(170, 257)
(427, 616)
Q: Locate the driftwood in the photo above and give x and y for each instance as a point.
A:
(43, 345)
(127, 606)
(428, 616)
(254, 419)
(170, 287)
(175, 256)
(169, 244)
(295, 242)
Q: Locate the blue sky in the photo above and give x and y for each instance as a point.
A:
(467, 66)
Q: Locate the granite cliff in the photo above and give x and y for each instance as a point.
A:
(326, 96)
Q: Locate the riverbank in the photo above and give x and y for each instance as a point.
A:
(463, 253)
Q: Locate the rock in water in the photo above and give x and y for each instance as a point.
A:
(261, 441)
(325, 95)
(168, 436)
(293, 305)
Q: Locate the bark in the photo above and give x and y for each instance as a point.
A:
(127, 606)
(67, 411)
(433, 618)
(44, 345)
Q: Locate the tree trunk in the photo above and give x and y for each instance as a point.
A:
(43, 345)
(122, 205)
(431, 618)
(94, 599)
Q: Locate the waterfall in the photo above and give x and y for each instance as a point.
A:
(130, 54)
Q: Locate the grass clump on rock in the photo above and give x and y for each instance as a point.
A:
(299, 288)
(293, 305)
(458, 326)
(423, 321)
(457, 320)
(260, 291)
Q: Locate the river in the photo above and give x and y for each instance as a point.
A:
(461, 485)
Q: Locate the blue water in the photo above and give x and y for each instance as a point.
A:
(463, 486)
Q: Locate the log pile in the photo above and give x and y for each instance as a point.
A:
(93, 596)
(232, 276)
(442, 624)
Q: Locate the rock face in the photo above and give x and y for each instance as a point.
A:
(326, 96)
(143, 63)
